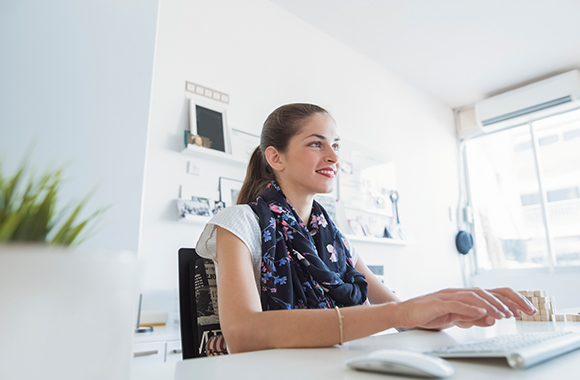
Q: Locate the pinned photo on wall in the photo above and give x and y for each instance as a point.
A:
(194, 207)
(208, 121)
(243, 143)
(229, 190)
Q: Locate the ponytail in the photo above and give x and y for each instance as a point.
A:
(258, 176)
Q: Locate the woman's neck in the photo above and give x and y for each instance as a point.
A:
(302, 204)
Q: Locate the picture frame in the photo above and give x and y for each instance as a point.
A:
(229, 190)
(243, 143)
(366, 179)
(208, 120)
(191, 139)
(356, 227)
(218, 206)
(194, 207)
(329, 204)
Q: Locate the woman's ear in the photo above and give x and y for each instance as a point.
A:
(274, 159)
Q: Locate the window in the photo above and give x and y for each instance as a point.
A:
(524, 191)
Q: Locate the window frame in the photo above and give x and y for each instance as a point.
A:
(466, 220)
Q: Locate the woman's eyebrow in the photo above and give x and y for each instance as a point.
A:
(320, 137)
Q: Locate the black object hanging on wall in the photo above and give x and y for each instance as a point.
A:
(463, 242)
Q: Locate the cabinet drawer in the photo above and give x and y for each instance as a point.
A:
(173, 351)
(149, 352)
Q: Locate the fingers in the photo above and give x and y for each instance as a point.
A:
(503, 302)
(466, 316)
(460, 310)
(499, 305)
(481, 322)
(515, 300)
(514, 308)
(480, 298)
(465, 307)
(434, 310)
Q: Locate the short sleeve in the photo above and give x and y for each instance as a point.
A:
(242, 222)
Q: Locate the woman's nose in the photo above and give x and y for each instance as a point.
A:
(333, 155)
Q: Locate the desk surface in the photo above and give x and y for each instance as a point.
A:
(328, 363)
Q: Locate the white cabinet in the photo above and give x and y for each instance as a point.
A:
(162, 345)
(173, 352)
(149, 352)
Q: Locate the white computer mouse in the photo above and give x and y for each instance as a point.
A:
(402, 362)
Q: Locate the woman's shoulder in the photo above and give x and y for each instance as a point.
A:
(233, 213)
(239, 220)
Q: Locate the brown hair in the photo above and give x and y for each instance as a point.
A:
(281, 125)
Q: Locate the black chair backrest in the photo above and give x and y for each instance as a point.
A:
(197, 302)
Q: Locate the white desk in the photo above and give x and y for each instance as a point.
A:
(328, 363)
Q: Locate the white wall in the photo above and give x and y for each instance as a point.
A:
(263, 57)
(75, 81)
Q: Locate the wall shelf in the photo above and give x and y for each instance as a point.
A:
(212, 154)
(377, 240)
(195, 219)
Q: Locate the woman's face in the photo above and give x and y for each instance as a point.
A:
(311, 162)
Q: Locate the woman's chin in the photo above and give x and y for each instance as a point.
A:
(325, 190)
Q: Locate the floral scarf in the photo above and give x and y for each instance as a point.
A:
(304, 268)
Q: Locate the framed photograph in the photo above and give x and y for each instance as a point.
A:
(329, 204)
(366, 179)
(356, 227)
(208, 120)
(191, 139)
(196, 206)
(218, 206)
(243, 143)
(229, 190)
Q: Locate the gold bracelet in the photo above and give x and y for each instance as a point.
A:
(340, 325)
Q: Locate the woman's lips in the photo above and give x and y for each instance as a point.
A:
(327, 172)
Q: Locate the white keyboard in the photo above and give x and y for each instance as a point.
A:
(521, 350)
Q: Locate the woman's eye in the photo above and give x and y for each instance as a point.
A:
(336, 148)
(315, 144)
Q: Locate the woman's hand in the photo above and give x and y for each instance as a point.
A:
(463, 307)
(515, 302)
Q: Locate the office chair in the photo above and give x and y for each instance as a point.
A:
(200, 329)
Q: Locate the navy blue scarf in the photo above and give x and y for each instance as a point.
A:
(304, 268)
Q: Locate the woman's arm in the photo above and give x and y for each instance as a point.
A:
(506, 301)
(247, 328)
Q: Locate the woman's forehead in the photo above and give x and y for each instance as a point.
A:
(319, 125)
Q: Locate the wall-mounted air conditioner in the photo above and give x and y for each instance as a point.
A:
(513, 106)
(518, 106)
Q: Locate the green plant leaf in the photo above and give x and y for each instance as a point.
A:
(28, 209)
(10, 224)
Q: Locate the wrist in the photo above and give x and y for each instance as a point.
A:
(394, 313)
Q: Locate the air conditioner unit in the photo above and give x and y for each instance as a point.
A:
(516, 106)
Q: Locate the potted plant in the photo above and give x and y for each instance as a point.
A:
(67, 312)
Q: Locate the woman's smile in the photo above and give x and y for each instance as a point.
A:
(327, 172)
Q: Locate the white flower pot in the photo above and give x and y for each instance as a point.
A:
(66, 314)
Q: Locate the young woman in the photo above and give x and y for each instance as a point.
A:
(286, 275)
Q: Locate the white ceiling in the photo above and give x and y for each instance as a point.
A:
(458, 51)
